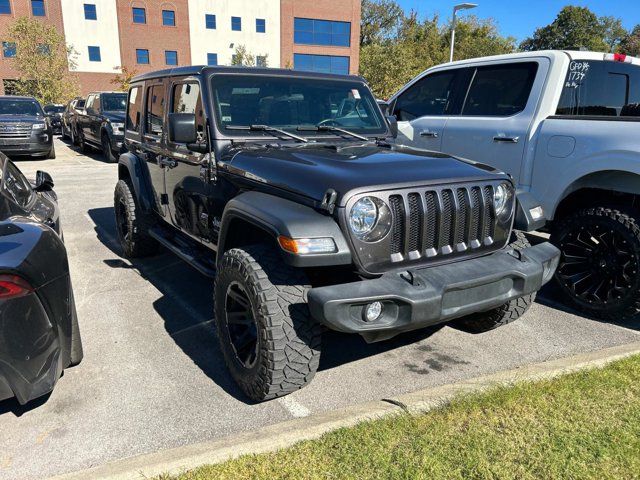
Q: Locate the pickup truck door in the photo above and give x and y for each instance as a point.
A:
(83, 117)
(92, 128)
(423, 108)
(495, 119)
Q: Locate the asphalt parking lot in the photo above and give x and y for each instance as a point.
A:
(153, 376)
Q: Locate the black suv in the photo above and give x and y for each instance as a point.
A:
(281, 185)
(101, 123)
(54, 114)
(69, 119)
(24, 128)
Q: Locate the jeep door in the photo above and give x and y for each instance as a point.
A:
(186, 174)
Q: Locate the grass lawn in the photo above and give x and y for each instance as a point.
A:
(584, 425)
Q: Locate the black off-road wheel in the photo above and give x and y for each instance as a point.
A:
(599, 267)
(132, 224)
(109, 157)
(484, 321)
(269, 341)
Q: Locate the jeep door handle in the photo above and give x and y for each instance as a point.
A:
(503, 139)
(167, 162)
(428, 134)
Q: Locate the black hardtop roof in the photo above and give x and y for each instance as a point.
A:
(204, 70)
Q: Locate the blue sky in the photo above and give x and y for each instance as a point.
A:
(520, 18)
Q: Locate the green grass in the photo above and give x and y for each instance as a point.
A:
(584, 425)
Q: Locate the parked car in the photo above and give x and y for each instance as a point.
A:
(70, 119)
(54, 114)
(101, 123)
(39, 334)
(24, 128)
(281, 185)
(565, 126)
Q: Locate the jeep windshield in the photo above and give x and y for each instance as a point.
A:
(114, 102)
(294, 104)
(18, 106)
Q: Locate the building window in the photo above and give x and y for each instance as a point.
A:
(94, 54)
(168, 18)
(261, 61)
(5, 7)
(321, 63)
(9, 49)
(210, 21)
(236, 24)
(142, 56)
(212, 59)
(139, 15)
(90, 11)
(43, 49)
(261, 26)
(171, 57)
(37, 8)
(308, 31)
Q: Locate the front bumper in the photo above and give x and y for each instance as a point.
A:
(427, 296)
(36, 144)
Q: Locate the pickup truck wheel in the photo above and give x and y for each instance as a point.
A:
(269, 341)
(84, 146)
(109, 157)
(484, 321)
(599, 267)
(132, 224)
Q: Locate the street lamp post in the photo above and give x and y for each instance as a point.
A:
(460, 6)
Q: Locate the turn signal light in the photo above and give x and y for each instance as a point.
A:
(12, 286)
(305, 246)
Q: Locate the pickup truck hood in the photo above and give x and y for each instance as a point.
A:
(21, 119)
(310, 170)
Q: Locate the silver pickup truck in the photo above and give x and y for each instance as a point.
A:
(566, 126)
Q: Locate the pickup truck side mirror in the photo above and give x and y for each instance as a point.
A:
(44, 182)
(393, 125)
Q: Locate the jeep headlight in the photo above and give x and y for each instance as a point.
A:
(502, 196)
(370, 219)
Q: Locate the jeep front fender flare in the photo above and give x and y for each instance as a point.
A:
(138, 175)
(279, 216)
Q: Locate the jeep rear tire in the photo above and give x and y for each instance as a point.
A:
(599, 269)
(132, 224)
(512, 310)
(269, 341)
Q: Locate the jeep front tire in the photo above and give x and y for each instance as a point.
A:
(132, 224)
(269, 341)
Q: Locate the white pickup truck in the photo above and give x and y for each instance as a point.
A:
(566, 126)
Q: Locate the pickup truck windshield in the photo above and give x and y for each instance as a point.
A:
(288, 103)
(114, 102)
(54, 109)
(12, 106)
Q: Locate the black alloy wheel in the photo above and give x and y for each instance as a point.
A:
(600, 262)
(241, 325)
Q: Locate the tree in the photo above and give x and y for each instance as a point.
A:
(379, 20)
(123, 80)
(631, 42)
(577, 27)
(43, 61)
(242, 57)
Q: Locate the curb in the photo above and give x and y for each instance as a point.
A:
(274, 437)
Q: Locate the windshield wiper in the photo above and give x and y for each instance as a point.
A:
(331, 128)
(266, 128)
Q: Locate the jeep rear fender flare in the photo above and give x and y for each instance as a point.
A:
(278, 216)
(134, 169)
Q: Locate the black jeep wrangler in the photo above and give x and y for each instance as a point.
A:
(281, 186)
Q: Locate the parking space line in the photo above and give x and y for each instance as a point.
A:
(295, 408)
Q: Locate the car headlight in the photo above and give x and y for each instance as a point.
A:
(502, 199)
(370, 219)
(117, 125)
(38, 126)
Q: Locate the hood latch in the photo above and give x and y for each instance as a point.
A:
(329, 201)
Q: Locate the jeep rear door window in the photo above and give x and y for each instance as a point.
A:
(500, 90)
(429, 96)
(154, 113)
(114, 102)
(290, 102)
(135, 109)
(600, 89)
(12, 106)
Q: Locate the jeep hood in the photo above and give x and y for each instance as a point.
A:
(311, 170)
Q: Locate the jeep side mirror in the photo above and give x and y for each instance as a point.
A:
(393, 125)
(44, 182)
(182, 128)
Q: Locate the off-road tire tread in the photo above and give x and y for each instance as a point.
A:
(140, 244)
(629, 308)
(289, 353)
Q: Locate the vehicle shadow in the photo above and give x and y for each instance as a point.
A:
(12, 405)
(186, 307)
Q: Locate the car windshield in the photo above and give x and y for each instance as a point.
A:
(114, 102)
(13, 106)
(54, 109)
(290, 103)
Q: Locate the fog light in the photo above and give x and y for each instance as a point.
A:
(373, 311)
(536, 212)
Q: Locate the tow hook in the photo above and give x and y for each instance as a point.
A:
(517, 254)
(412, 279)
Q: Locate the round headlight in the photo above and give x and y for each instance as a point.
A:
(501, 197)
(370, 219)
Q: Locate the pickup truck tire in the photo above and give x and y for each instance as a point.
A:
(52, 153)
(484, 321)
(600, 261)
(109, 157)
(84, 146)
(272, 345)
(132, 224)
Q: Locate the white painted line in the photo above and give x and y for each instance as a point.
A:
(295, 408)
